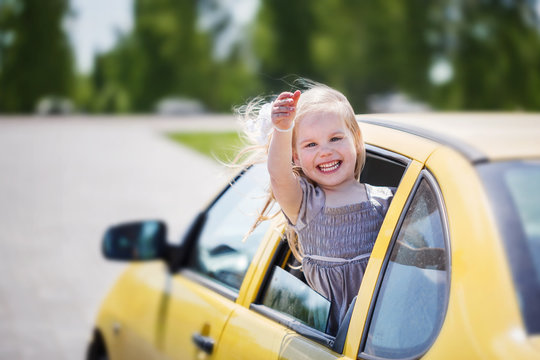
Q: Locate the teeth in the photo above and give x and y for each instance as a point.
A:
(331, 166)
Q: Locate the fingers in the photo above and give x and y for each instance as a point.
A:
(289, 96)
(283, 108)
(285, 104)
(296, 96)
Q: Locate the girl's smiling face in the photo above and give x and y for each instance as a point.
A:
(324, 148)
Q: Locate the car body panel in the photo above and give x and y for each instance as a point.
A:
(296, 347)
(413, 147)
(133, 321)
(188, 300)
(535, 342)
(248, 333)
(499, 136)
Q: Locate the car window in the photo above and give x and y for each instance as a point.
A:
(221, 252)
(382, 167)
(512, 188)
(412, 297)
(289, 295)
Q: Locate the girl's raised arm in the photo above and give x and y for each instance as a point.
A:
(285, 186)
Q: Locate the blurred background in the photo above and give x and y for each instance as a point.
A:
(126, 72)
(185, 56)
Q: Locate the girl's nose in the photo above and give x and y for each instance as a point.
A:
(325, 151)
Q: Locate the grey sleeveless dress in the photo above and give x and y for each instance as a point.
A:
(337, 243)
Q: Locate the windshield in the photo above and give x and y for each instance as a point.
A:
(514, 189)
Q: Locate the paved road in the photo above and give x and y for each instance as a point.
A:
(62, 182)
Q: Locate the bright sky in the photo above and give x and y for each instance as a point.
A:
(95, 26)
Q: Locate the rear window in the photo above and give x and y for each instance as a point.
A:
(513, 188)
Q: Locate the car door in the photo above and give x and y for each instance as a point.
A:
(204, 293)
(382, 168)
(281, 307)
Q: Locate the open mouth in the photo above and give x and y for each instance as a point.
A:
(329, 166)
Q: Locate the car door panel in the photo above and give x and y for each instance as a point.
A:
(194, 310)
(297, 347)
(249, 335)
(132, 317)
(219, 271)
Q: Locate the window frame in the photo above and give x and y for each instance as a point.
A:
(387, 155)
(513, 236)
(432, 183)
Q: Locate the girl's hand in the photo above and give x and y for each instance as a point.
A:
(284, 110)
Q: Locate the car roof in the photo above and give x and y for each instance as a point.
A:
(479, 136)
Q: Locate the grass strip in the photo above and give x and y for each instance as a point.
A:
(220, 146)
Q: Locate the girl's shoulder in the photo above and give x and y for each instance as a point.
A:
(312, 193)
(313, 201)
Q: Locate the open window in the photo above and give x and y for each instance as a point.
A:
(288, 299)
(382, 167)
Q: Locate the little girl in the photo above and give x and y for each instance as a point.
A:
(315, 156)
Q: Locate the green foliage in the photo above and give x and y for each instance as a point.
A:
(491, 49)
(284, 46)
(35, 55)
(496, 57)
(168, 56)
(114, 78)
(221, 146)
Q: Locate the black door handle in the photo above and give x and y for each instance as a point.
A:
(204, 343)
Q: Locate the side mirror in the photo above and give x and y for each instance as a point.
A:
(136, 241)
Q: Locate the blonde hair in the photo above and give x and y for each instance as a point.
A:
(317, 98)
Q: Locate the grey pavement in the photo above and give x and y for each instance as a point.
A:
(62, 182)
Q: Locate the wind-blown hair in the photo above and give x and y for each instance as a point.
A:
(257, 131)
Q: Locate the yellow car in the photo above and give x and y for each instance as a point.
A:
(454, 274)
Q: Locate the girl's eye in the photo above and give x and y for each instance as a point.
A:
(310, 145)
(336, 138)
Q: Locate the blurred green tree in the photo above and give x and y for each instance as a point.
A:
(35, 55)
(283, 41)
(449, 54)
(169, 55)
(167, 51)
(115, 73)
(478, 54)
(494, 48)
